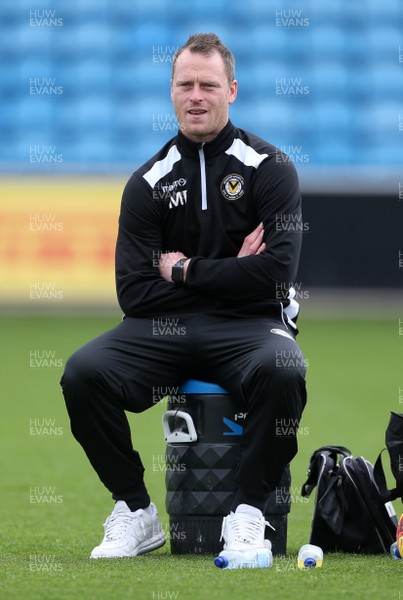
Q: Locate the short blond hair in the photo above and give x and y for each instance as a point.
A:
(207, 43)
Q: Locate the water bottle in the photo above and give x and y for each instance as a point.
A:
(246, 559)
(394, 550)
(310, 556)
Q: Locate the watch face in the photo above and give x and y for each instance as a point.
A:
(177, 271)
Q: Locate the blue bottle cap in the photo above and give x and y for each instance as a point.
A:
(221, 562)
(310, 562)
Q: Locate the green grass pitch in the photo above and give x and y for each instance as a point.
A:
(354, 375)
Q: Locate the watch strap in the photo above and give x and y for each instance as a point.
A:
(177, 271)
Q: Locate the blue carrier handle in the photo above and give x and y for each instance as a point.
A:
(177, 435)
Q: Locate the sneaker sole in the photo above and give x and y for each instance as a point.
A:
(151, 545)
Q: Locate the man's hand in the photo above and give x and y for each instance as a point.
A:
(166, 263)
(253, 244)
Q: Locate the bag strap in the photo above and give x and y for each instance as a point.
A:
(380, 480)
(317, 463)
(335, 450)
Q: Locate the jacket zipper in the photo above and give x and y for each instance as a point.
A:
(203, 178)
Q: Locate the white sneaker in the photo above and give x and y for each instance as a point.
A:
(244, 529)
(130, 533)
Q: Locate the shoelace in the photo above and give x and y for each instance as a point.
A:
(244, 529)
(117, 524)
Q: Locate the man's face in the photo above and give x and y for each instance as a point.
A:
(201, 93)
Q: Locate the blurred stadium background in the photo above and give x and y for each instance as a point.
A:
(84, 100)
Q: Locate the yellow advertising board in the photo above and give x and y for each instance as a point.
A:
(57, 240)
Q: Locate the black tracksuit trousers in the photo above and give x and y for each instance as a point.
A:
(122, 369)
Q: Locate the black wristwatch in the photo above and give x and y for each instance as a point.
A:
(177, 271)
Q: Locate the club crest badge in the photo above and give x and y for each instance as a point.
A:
(232, 186)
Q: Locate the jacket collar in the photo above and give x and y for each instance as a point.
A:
(218, 145)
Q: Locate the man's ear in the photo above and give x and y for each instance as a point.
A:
(232, 92)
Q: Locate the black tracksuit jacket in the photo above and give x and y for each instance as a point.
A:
(202, 200)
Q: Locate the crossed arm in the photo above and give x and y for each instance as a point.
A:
(252, 244)
(214, 283)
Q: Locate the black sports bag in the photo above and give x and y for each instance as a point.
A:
(350, 512)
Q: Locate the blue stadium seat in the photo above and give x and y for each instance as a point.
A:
(8, 121)
(269, 43)
(302, 125)
(34, 115)
(152, 78)
(94, 114)
(277, 114)
(383, 42)
(17, 152)
(150, 37)
(332, 118)
(10, 50)
(386, 80)
(66, 124)
(92, 76)
(125, 122)
(93, 39)
(323, 13)
(92, 152)
(328, 42)
(329, 79)
(379, 12)
(64, 53)
(333, 151)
